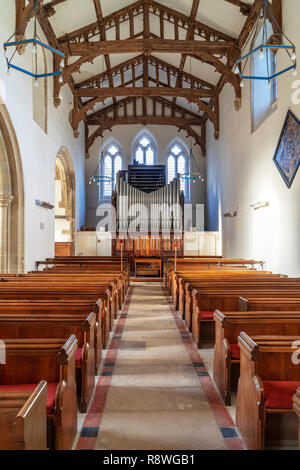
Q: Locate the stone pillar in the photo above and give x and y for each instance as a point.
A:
(5, 202)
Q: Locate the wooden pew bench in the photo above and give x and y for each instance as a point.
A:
(268, 381)
(23, 424)
(226, 368)
(206, 301)
(28, 361)
(66, 288)
(73, 308)
(260, 304)
(58, 293)
(16, 326)
(183, 292)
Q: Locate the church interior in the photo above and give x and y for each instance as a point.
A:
(149, 225)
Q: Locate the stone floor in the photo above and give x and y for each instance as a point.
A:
(155, 391)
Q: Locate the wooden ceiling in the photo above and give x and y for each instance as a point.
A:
(146, 62)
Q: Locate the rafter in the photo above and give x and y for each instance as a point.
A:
(162, 121)
(105, 122)
(189, 35)
(191, 95)
(158, 99)
(23, 16)
(137, 8)
(97, 80)
(224, 70)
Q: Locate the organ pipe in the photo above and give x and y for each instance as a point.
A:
(163, 206)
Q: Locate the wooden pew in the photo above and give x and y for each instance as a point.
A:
(75, 309)
(207, 301)
(28, 361)
(117, 284)
(23, 424)
(183, 295)
(16, 326)
(196, 268)
(268, 381)
(66, 293)
(226, 369)
(261, 304)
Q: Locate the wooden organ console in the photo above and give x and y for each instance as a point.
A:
(149, 214)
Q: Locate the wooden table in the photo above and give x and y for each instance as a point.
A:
(148, 261)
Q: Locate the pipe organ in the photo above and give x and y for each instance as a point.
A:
(149, 222)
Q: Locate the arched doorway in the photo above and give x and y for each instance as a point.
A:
(64, 204)
(11, 199)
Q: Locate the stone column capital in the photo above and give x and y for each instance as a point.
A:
(5, 200)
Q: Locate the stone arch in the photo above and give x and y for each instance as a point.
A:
(65, 209)
(11, 198)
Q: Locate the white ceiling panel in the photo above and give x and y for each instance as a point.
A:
(72, 15)
(222, 16)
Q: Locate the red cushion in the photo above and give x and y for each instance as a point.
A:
(206, 315)
(279, 394)
(235, 351)
(78, 357)
(51, 392)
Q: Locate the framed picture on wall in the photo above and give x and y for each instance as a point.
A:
(287, 154)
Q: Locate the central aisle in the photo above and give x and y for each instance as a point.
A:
(158, 392)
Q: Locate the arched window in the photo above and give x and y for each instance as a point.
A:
(171, 168)
(144, 150)
(113, 163)
(40, 90)
(263, 94)
(177, 163)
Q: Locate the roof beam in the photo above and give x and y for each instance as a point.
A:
(159, 99)
(127, 120)
(147, 46)
(108, 92)
(193, 96)
(148, 120)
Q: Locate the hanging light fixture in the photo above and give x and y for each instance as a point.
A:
(277, 41)
(99, 175)
(194, 174)
(35, 43)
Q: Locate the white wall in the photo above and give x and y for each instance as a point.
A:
(240, 171)
(125, 135)
(38, 150)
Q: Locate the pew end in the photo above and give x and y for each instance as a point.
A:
(23, 419)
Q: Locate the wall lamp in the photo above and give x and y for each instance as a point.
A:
(45, 205)
(231, 214)
(259, 205)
